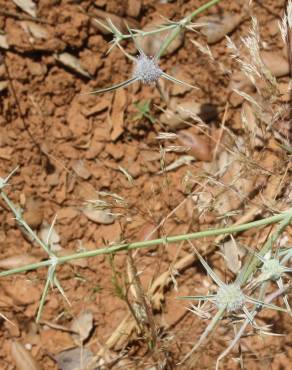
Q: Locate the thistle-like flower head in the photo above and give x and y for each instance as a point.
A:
(147, 69)
(273, 269)
(230, 296)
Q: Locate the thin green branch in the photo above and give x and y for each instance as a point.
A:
(21, 221)
(182, 24)
(151, 243)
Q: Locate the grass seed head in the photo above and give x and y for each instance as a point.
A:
(147, 69)
(231, 297)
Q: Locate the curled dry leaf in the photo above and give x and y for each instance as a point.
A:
(185, 159)
(35, 30)
(17, 261)
(22, 358)
(33, 213)
(134, 8)
(276, 63)
(3, 42)
(232, 254)
(216, 27)
(100, 216)
(74, 359)
(80, 169)
(117, 115)
(6, 152)
(186, 110)
(28, 6)
(72, 62)
(82, 326)
(199, 147)
(54, 240)
(152, 43)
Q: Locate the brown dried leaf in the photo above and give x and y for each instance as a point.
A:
(3, 85)
(186, 110)
(82, 326)
(5, 153)
(80, 169)
(34, 212)
(22, 358)
(200, 148)
(74, 359)
(276, 63)
(232, 254)
(54, 237)
(17, 261)
(117, 116)
(3, 42)
(218, 26)
(134, 8)
(28, 6)
(100, 216)
(35, 30)
(72, 62)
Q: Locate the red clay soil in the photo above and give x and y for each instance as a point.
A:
(71, 148)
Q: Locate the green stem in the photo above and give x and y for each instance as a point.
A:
(151, 243)
(178, 28)
(19, 218)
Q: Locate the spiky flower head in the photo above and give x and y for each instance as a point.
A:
(147, 69)
(273, 269)
(230, 296)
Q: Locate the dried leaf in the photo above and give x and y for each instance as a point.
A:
(28, 6)
(82, 326)
(185, 159)
(54, 240)
(33, 214)
(80, 169)
(134, 8)
(17, 261)
(6, 153)
(232, 255)
(199, 147)
(3, 84)
(117, 115)
(276, 63)
(74, 359)
(35, 30)
(218, 26)
(22, 358)
(100, 216)
(72, 62)
(4, 42)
